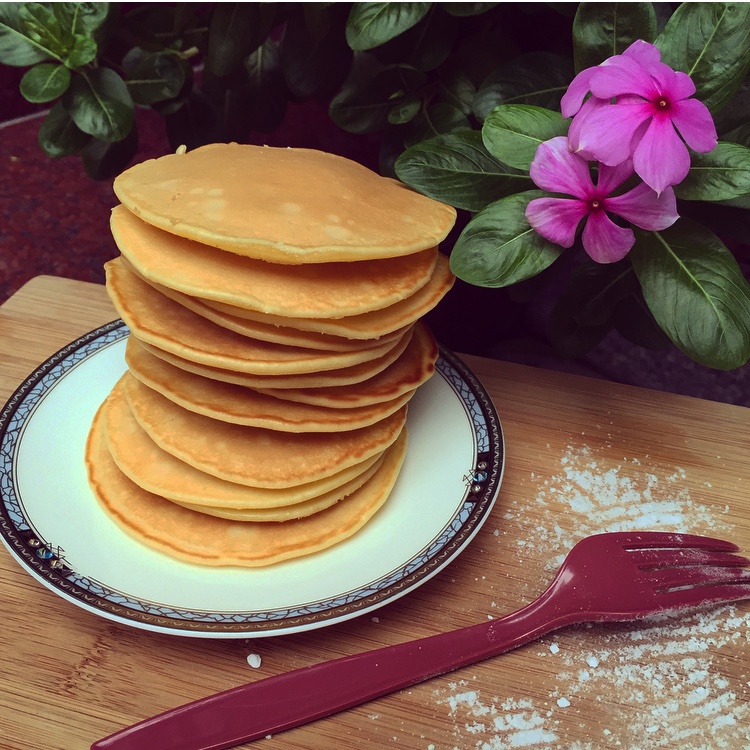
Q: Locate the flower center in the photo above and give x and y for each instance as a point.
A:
(595, 204)
(662, 104)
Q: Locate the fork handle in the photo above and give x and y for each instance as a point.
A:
(273, 704)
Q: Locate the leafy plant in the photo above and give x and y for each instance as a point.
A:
(460, 96)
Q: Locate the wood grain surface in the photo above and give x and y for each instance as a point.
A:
(582, 456)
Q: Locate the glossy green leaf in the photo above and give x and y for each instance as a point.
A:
(100, 104)
(696, 292)
(711, 43)
(456, 168)
(721, 174)
(81, 18)
(498, 247)
(371, 24)
(512, 132)
(539, 79)
(601, 30)
(59, 136)
(153, 77)
(45, 82)
(458, 90)
(19, 44)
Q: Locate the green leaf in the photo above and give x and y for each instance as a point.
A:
(498, 247)
(153, 77)
(697, 293)
(456, 168)
(721, 174)
(363, 104)
(405, 111)
(436, 119)
(236, 30)
(512, 132)
(601, 30)
(100, 104)
(45, 82)
(81, 18)
(103, 160)
(315, 57)
(537, 78)
(18, 45)
(267, 97)
(372, 24)
(59, 136)
(83, 51)
(711, 43)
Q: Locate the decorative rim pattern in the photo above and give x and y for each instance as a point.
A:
(47, 562)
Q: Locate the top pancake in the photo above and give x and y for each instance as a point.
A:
(285, 205)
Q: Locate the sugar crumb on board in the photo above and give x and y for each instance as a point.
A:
(662, 677)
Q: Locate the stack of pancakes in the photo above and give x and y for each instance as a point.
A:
(274, 299)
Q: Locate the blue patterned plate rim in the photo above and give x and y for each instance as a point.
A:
(45, 559)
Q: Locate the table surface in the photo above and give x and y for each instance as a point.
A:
(582, 456)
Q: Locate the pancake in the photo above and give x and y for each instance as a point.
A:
(205, 540)
(155, 470)
(158, 320)
(324, 378)
(285, 205)
(303, 509)
(319, 290)
(413, 368)
(369, 325)
(252, 455)
(264, 331)
(230, 402)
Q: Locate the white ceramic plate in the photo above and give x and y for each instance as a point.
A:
(53, 525)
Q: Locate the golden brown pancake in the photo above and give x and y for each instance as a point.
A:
(238, 404)
(285, 205)
(154, 318)
(206, 540)
(253, 455)
(368, 325)
(264, 331)
(341, 376)
(413, 368)
(326, 290)
(155, 470)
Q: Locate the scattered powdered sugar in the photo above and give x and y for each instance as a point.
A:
(658, 684)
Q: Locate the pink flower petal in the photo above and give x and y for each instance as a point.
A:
(573, 98)
(607, 133)
(643, 52)
(557, 169)
(610, 178)
(661, 159)
(604, 241)
(556, 219)
(644, 208)
(672, 84)
(692, 118)
(622, 76)
(591, 105)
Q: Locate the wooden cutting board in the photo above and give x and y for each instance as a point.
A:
(582, 456)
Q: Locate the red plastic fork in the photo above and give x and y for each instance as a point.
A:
(606, 577)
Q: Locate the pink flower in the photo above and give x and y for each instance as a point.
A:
(652, 108)
(557, 169)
